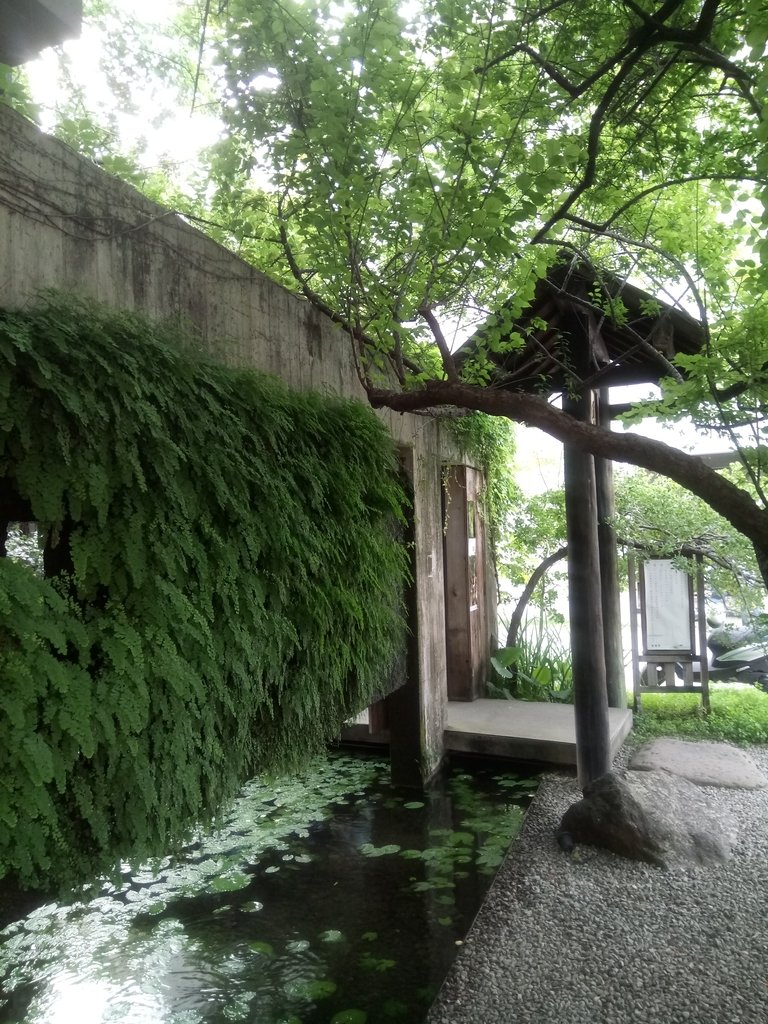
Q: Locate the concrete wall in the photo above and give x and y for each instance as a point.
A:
(66, 224)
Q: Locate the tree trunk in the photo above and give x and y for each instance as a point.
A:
(525, 597)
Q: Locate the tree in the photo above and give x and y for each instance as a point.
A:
(426, 169)
(655, 518)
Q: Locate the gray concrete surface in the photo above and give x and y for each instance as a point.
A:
(706, 764)
(523, 729)
(515, 729)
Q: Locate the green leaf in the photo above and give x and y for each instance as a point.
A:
(349, 1017)
(264, 948)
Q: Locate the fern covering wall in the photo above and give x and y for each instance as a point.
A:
(233, 592)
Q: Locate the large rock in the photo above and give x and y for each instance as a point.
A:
(651, 816)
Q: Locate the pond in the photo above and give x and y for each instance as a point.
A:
(327, 898)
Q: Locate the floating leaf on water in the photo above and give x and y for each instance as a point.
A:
(376, 963)
(369, 850)
(297, 945)
(369, 936)
(411, 854)
(155, 908)
(413, 805)
(272, 869)
(261, 947)
(312, 989)
(303, 858)
(462, 839)
(331, 935)
(350, 1017)
(229, 883)
(252, 906)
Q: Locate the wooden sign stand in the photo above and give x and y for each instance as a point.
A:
(669, 629)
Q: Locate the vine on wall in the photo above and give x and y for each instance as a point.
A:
(227, 591)
(490, 442)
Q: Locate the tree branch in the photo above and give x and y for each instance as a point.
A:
(538, 573)
(730, 501)
(437, 333)
(311, 296)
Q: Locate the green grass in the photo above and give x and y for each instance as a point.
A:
(737, 716)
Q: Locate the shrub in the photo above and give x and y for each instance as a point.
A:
(538, 667)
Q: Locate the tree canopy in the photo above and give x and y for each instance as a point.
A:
(427, 163)
(413, 169)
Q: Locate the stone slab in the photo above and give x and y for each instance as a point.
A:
(705, 764)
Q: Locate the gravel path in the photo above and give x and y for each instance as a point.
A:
(591, 938)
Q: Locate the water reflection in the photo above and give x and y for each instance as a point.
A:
(327, 898)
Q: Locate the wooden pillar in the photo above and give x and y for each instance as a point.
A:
(609, 570)
(415, 711)
(593, 745)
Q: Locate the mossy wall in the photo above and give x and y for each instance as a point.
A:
(224, 591)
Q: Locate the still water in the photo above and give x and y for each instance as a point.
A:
(328, 898)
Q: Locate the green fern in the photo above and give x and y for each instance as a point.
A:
(234, 591)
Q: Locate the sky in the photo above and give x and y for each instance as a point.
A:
(178, 139)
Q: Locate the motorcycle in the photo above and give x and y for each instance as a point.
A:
(739, 654)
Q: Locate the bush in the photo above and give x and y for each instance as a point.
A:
(537, 668)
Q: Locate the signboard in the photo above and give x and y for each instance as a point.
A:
(668, 607)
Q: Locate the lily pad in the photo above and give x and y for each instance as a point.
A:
(229, 883)
(252, 906)
(297, 946)
(349, 1017)
(312, 989)
(413, 805)
(369, 850)
(331, 935)
(264, 948)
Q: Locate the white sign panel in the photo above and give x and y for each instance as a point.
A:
(667, 606)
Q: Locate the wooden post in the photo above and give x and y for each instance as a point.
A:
(634, 613)
(609, 569)
(701, 605)
(415, 711)
(593, 744)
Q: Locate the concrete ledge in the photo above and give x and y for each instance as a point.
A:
(524, 730)
(513, 729)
